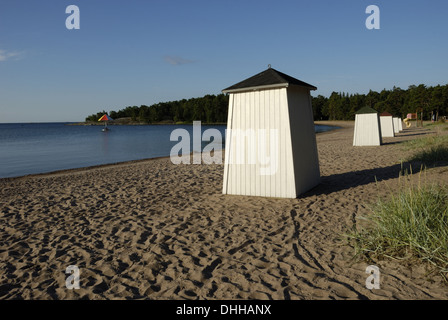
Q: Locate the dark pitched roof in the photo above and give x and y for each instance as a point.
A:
(366, 110)
(268, 78)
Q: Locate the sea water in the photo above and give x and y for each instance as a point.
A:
(30, 148)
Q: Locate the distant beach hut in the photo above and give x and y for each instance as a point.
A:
(400, 124)
(387, 125)
(105, 118)
(271, 146)
(367, 128)
(396, 124)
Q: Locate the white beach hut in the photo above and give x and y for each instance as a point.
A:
(400, 124)
(396, 125)
(271, 146)
(387, 125)
(367, 128)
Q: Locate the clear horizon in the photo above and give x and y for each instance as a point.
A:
(146, 52)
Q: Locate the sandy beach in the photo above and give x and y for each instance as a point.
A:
(154, 230)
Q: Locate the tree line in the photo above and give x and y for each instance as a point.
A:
(207, 109)
(398, 102)
(339, 106)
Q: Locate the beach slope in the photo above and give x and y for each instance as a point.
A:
(154, 230)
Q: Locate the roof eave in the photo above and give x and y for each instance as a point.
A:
(310, 87)
(265, 87)
(255, 88)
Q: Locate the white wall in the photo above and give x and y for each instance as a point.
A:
(367, 130)
(304, 146)
(396, 125)
(387, 126)
(294, 162)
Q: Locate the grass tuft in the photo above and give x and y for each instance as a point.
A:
(429, 150)
(412, 224)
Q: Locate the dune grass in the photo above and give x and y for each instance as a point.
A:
(432, 155)
(412, 224)
(428, 150)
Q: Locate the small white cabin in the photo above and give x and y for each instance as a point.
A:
(271, 148)
(367, 128)
(387, 125)
(396, 125)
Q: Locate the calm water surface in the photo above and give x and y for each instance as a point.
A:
(44, 147)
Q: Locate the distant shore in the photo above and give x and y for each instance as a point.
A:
(130, 122)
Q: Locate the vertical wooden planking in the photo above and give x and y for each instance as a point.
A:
(355, 131)
(238, 168)
(294, 134)
(387, 127)
(286, 143)
(282, 151)
(253, 172)
(245, 126)
(233, 175)
(262, 112)
(270, 117)
(378, 128)
(290, 159)
(250, 166)
(241, 172)
(272, 143)
(284, 122)
(276, 144)
(228, 146)
(292, 168)
(304, 150)
(367, 130)
(257, 128)
(241, 164)
(267, 118)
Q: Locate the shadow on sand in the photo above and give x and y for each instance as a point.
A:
(353, 179)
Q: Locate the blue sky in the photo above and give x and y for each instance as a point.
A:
(142, 52)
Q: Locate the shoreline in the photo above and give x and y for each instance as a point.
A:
(136, 123)
(64, 171)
